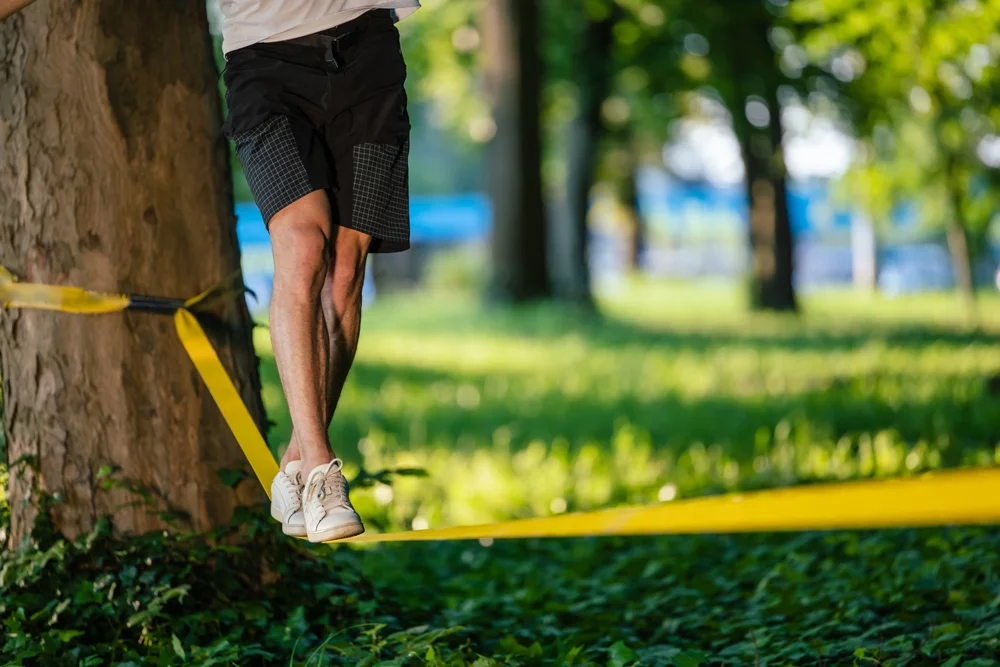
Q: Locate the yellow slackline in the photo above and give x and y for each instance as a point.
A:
(51, 297)
(961, 497)
(226, 397)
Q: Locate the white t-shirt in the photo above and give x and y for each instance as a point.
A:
(246, 22)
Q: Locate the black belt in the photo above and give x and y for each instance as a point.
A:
(335, 40)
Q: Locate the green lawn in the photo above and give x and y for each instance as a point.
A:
(675, 391)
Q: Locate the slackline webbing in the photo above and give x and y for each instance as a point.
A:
(957, 497)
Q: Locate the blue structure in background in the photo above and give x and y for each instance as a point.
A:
(434, 220)
(677, 212)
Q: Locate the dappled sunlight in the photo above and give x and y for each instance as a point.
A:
(516, 414)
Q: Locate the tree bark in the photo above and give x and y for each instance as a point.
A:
(770, 233)
(512, 68)
(594, 83)
(114, 176)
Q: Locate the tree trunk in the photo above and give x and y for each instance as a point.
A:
(512, 69)
(771, 243)
(772, 270)
(958, 238)
(958, 247)
(114, 176)
(864, 253)
(594, 82)
(630, 200)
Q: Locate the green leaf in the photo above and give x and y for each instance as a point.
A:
(66, 636)
(572, 654)
(178, 649)
(952, 661)
(620, 654)
(231, 478)
(948, 629)
(688, 659)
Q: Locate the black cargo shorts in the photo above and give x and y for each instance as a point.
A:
(327, 112)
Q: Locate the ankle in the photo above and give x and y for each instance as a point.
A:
(286, 459)
(309, 463)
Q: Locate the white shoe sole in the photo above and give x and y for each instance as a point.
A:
(291, 531)
(341, 532)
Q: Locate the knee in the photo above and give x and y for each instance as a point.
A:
(300, 246)
(350, 254)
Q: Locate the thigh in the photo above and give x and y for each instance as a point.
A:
(275, 99)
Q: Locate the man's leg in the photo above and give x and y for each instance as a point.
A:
(342, 308)
(301, 242)
(341, 300)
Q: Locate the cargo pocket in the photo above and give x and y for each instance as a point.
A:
(380, 205)
(272, 159)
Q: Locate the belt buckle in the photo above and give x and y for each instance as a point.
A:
(334, 61)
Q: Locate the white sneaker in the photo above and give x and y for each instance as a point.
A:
(286, 500)
(328, 511)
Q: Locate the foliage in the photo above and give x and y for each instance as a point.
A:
(919, 82)
(220, 599)
(442, 44)
(889, 598)
(509, 411)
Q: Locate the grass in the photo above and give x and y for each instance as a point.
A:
(676, 392)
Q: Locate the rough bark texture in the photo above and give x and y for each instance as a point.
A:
(593, 82)
(114, 176)
(512, 68)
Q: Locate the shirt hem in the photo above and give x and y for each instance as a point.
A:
(318, 24)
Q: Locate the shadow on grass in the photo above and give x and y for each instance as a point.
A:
(671, 420)
(670, 423)
(549, 321)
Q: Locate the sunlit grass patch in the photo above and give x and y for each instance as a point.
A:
(675, 392)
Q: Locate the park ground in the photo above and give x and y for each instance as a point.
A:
(674, 392)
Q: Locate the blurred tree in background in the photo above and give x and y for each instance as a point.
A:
(513, 74)
(919, 82)
(614, 74)
(589, 68)
(591, 91)
(745, 73)
(614, 71)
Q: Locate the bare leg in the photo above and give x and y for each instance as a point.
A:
(300, 239)
(341, 301)
(342, 308)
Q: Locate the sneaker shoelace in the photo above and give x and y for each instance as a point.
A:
(330, 489)
(293, 486)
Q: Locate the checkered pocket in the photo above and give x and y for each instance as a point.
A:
(381, 190)
(273, 165)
